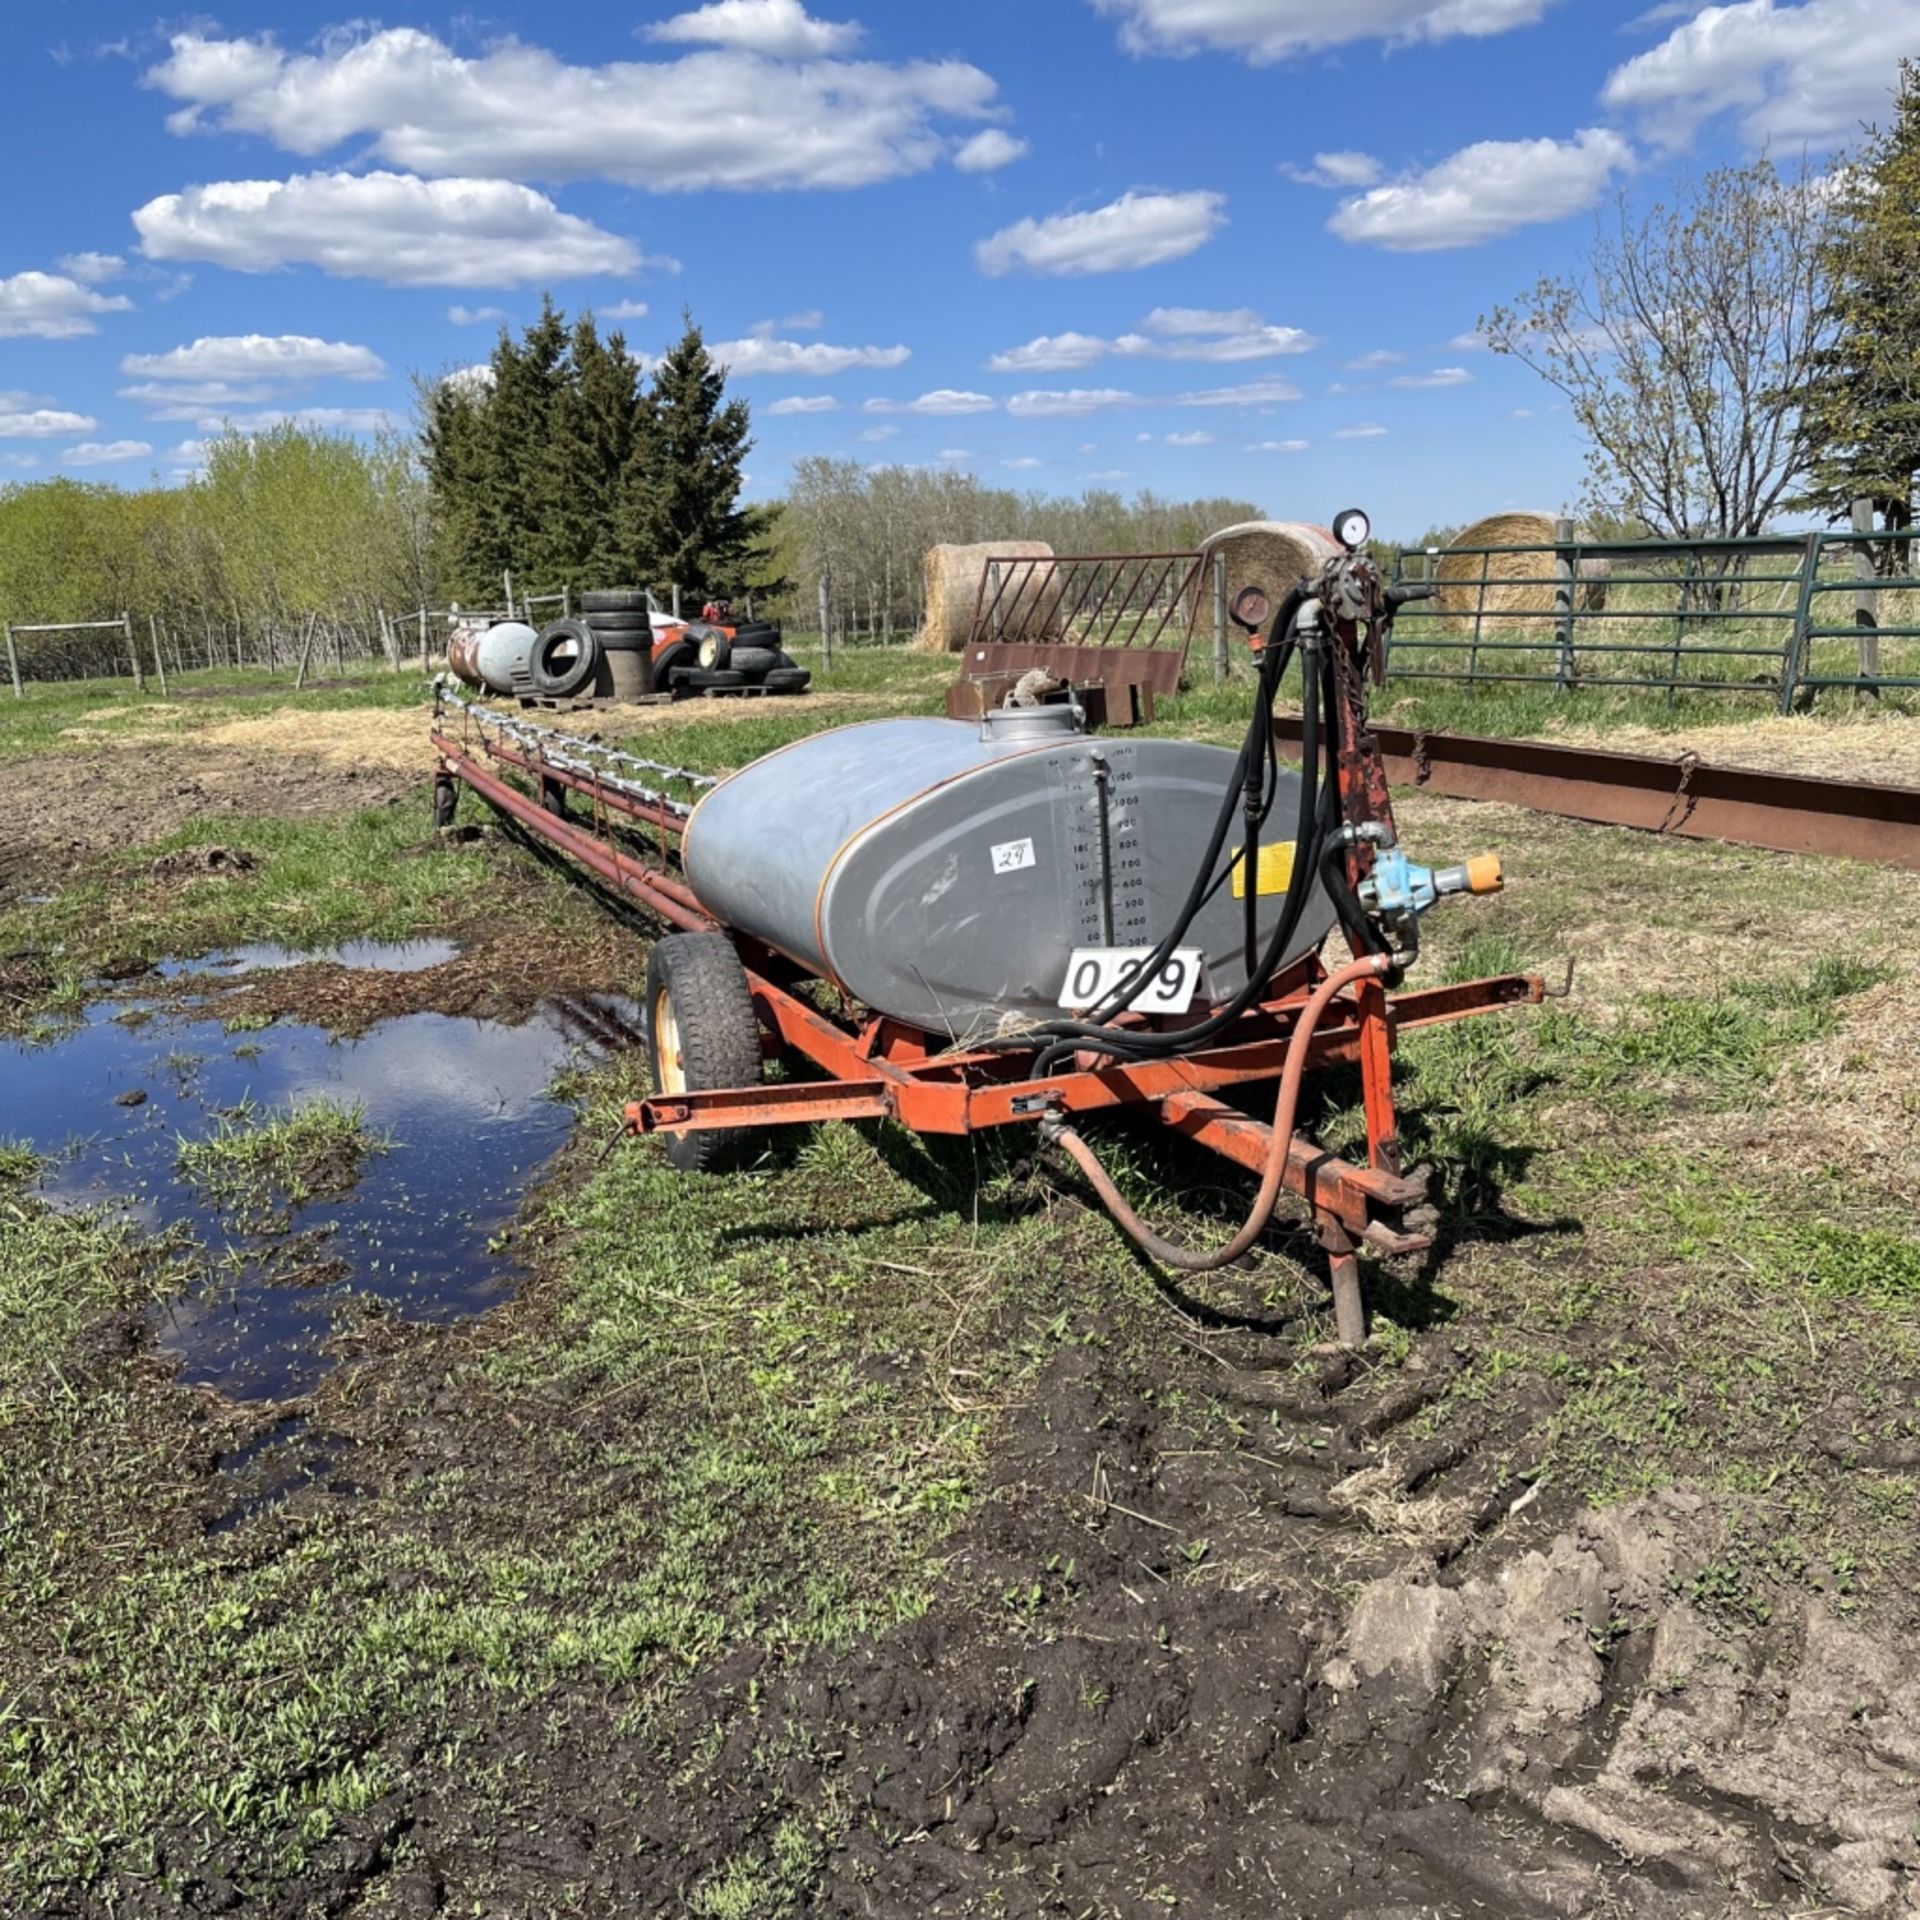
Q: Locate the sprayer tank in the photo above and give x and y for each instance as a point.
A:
(943, 873)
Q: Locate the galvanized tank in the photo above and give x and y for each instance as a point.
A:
(943, 872)
(503, 655)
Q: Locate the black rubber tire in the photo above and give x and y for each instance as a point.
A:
(669, 661)
(753, 661)
(787, 664)
(446, 798)
(787, 680)
(758, 633)
(711, 646)
(614, 600)
(624, 639)
(711, 1016)
(581, 647)
(619, 622)
(709, 679)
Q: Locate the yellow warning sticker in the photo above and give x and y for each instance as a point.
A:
(1273, 870)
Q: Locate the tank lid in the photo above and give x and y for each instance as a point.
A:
(1033, 723)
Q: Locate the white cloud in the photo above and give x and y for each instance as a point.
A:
(725, 116)
(1264, 31)
(1374, 361)
(623, 310)
(1795, 74)
(327, 419)
(480, 316)
(1137, 230)
(472, 381)
(1468, 343)
(781, 29)
(875, 435)
(1346, 169)
(92, 267)
(52, 306)
(942, 400)
(1194, 439)
(809, 320)
(1167, 333)
(20, 422)
(1277, 446)
(1256, 393)
(1484, 191)
(382, 226)
(190, 399)
(189, 453)
(805, 403)
(258, 356)
(1371, 431)
(1110, 474)
(1439, 377)
(1521, 413)
(953, 453)
(21, 461)
(1023, 463)
(1069, 404)
(812, 359)
(989, 150)
(96, 453)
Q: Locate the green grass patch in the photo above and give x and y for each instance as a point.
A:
(299, 1154)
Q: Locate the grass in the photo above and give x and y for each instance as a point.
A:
(747, 1413)
(296, 1154)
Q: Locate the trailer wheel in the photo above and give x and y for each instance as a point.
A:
(702, 1033)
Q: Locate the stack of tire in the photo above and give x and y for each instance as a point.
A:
(713, 659)
(618, 622)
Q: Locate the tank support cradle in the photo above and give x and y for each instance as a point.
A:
(879, 1068)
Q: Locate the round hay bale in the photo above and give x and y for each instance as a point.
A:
(1512, 587)
(954, 574)
(1269, 554)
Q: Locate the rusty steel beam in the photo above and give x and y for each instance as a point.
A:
(1790, 812)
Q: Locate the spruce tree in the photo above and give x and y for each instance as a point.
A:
(452, 425)
(1863, 408)
(511, 450)
(682, 520)
(588, 453)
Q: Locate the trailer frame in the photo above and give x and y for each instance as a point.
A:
(876, 1067)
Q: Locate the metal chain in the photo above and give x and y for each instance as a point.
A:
(591, 759)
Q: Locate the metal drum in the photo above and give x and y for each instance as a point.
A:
(943, 872)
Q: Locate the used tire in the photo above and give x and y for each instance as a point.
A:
(710, 679)
(787, 680)
(669, 660)
(753, 661)
(614, 600)
(563, 658)
(619, 622)
(713, 644)
(702, 1033)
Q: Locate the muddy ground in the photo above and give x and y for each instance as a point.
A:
(873, 1536)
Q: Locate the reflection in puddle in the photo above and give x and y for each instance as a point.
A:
(463, 1103)
(371, 956)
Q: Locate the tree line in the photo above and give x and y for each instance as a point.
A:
(561, 463)
(1749, 349)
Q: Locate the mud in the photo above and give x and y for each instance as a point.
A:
(1324, 1669)
(63, 808)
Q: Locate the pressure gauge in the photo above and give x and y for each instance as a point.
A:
(1351, 529)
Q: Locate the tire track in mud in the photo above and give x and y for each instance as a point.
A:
(1340, 1668)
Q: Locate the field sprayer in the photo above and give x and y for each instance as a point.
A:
(1012, 922)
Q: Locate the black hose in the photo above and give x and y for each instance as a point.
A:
(1317, 805)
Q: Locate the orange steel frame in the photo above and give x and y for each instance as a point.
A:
(877, 1067)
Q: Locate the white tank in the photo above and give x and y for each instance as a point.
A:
(943, 872)
(503, 656)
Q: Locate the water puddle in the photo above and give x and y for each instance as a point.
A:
(464, 1105)
(372, 956)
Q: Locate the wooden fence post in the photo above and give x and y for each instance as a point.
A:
(1866, 601)
(426, 654)
(13, 665)
(133, 652)
(159, 665)
(306, 643)
(826, 625)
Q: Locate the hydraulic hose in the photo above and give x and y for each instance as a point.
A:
(1285, 1107)
(1315, 821)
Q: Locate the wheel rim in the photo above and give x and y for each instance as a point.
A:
(669, 1062)
(709, 650)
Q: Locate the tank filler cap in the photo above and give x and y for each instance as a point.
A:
(1033, 723)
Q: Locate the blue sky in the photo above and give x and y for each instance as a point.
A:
(1207, 246)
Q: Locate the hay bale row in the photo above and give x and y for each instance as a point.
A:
(1511, 586)
(1029, 603)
